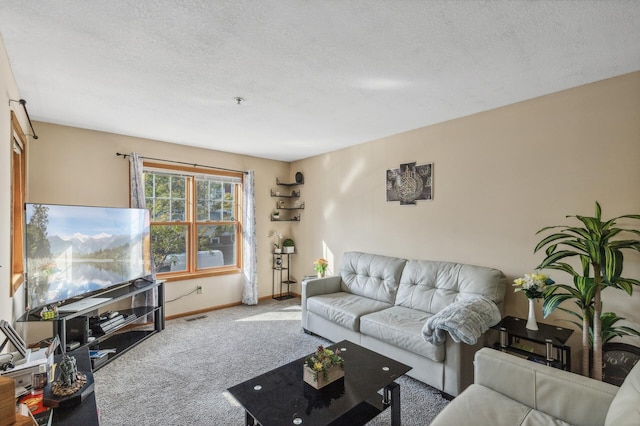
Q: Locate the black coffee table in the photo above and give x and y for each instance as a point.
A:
(281, 397)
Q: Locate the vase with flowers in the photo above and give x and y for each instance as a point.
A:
(533, 286)
(322, 367)
(320, 266)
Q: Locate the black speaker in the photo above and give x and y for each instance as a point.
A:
(78, 329)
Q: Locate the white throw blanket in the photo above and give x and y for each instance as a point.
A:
(465, 320)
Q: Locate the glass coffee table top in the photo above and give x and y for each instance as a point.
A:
(281, 397)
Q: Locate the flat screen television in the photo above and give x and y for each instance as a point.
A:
(73, 251)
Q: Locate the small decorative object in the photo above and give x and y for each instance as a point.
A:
(276, 240)
(322, 367)
(410, 183)
(533, 286)
(70, 380)
(281, 204)
(288, 245)
(49, 312)
(617, 361)
(299, 177)
(320, 266)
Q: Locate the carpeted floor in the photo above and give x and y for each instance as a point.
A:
(180, 376)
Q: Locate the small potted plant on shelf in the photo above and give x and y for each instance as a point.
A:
(288, 245)
(275, 215)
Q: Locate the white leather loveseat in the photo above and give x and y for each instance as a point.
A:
(510, 391)
(383, 303)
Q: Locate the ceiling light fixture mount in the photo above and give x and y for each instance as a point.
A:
(238, 100)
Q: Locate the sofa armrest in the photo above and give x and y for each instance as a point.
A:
(564, 395)
(316, 286)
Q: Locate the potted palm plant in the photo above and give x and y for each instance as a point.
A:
(599, 247)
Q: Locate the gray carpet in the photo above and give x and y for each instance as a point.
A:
(180, 376)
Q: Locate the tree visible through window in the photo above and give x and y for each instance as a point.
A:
(195, 219)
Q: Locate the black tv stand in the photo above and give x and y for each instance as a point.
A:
(132, 330)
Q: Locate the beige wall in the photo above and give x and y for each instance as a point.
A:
(499, 176)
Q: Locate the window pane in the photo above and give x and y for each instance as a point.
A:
(169, 247)
(161, 210)
(202, 210)
(178, 210)
(215, 200)
(216, 246)
(161, 187)
(165, 196)
(178, 187)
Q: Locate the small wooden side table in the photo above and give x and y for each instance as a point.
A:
(554, 339)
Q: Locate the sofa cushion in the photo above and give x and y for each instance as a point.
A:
(430, 286)
(373, 276)
(625, 407)
(479, 405)
(344, 309)
(401, 327)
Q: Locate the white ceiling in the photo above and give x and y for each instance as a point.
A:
(316, 75)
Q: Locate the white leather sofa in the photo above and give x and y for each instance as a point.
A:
(382, 303)
(511, 391)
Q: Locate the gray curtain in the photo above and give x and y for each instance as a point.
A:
(249, 258)
(136, 182)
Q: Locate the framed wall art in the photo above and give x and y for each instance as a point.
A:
(410, 183)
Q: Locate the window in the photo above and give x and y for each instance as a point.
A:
(18, 177)
(196, 226)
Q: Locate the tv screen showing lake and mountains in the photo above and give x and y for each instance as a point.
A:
(74, 250)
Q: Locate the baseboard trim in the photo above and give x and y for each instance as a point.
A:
(215, 308)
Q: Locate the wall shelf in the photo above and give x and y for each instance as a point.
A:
(294, 194)
(291, 219)
(288, 206)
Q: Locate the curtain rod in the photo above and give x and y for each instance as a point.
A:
(24, 106)
(183, 162)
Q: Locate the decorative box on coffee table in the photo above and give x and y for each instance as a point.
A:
(334, 373)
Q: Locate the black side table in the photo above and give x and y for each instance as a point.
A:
(512, 331)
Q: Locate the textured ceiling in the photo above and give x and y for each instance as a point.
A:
(315, 75)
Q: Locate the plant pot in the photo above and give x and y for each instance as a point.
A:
(277, 251)
(334, 373)
(289, 249)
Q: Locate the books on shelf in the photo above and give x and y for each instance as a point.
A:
(105, 326)
(101, 353)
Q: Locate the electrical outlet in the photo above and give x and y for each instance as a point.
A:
(199, 289)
